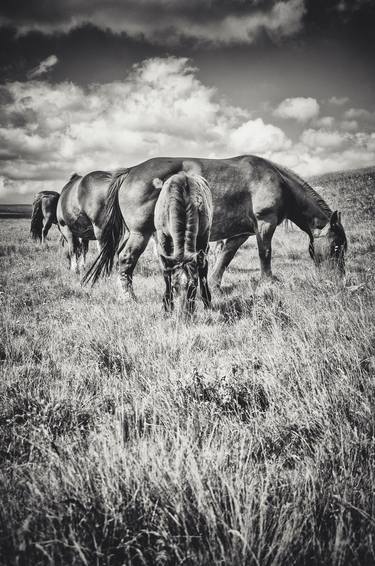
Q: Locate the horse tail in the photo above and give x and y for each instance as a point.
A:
(113, 230)
(189, 197)
(199, 203)
(37, 218)
(179, 204)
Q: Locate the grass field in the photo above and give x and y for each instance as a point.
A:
(244, 437)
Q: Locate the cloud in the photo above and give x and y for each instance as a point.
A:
(43, 67)
(338, 101)
(324, 122)
(254, 136)
(349, 125)
(163, 21)
(48, 131)
(359, 113)
(323, 139)
(299, 108)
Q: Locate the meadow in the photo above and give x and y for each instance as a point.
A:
(246, 436)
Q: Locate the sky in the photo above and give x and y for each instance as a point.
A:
(103, 84)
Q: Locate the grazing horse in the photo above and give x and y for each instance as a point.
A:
(80, 214)
(43, 214)
(250, 195)
(183, 218)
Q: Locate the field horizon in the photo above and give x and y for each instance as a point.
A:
(246, 436)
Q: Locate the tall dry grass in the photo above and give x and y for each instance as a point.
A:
(245, 437)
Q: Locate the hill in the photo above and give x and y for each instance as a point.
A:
(352, 190)
(15, 210)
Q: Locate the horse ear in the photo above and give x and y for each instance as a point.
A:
(157, 183)
(334, 220)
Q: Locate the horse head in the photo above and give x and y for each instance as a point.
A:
(184, 278)
(330, 245)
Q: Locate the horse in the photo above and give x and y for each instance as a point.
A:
(80, 214)
(183, 218)
(43, 214)
(251, 195)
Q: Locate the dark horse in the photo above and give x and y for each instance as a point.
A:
(43, 214)
(80, 214)
(183, 218)
(250, 195)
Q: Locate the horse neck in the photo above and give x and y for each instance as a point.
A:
(310, 217)
(306, 207)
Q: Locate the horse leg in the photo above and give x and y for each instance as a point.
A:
(155, 242)
(164, 247)
(168, 294)
(202, 263)
(74, 251)
(128, 257)
(190, 298)
(203, 284)
(46, 226)
(98, 236)
(264, 232)
(69, 239)
(227, 253)
(84, 246)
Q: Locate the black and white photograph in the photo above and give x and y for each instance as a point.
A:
(187, 302)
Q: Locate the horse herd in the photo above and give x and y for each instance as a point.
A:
(185, 203)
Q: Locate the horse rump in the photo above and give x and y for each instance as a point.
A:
(112, 232)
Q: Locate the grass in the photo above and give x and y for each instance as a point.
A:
(245, 437)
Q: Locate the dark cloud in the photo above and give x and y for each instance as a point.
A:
(165, 22)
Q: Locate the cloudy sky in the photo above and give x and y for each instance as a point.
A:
(101, 84)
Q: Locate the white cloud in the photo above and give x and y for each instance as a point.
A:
(323, 138)
(349, 125)
(254, 136)
(48, 131)
(43, 67)
(338, 100)
(359, 113)
(299, 108)
(324, 122)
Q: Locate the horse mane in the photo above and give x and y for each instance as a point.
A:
(304, 185)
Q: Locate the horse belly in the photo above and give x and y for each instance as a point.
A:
(137, 203)
(232, 217)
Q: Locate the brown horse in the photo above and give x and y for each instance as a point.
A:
(250, 195)
(80, 214)
(183, 218)
(43, 214)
